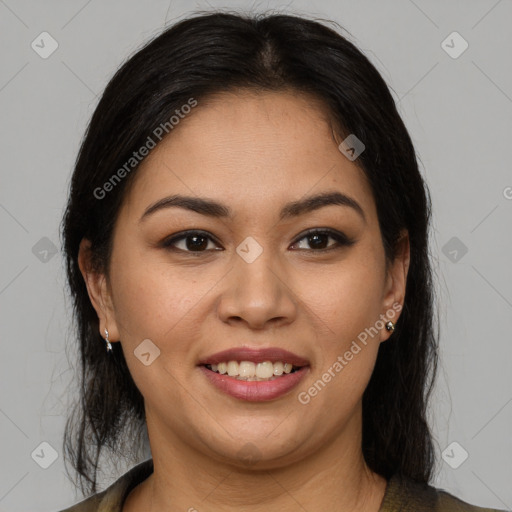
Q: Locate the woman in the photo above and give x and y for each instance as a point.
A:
(247, 251)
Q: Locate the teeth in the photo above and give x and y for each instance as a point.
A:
(265, 370)
(233, 368)
(247, 370)
(278, 368)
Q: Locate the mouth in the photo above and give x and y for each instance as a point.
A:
(254, 374)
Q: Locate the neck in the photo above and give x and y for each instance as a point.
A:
(334, 476)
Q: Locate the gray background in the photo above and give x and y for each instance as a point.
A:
(459, 113)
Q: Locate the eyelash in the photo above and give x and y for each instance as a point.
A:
(341, 240)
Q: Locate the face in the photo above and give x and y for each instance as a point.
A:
(263, 268)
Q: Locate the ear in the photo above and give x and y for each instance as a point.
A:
(99, 292)
(396, 280)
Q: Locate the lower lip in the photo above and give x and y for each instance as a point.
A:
(255, 391)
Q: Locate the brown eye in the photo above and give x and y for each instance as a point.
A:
(318, 240)
(191, 241)
(196, 242)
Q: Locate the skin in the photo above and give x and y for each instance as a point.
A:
(253, 152)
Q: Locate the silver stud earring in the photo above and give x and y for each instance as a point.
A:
(390, 326)
(109, 345)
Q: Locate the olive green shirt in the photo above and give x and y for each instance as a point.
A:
(403, 495)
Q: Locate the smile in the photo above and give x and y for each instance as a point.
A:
(254, 388)
(249, 371)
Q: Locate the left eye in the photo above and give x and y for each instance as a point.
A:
(318, 240)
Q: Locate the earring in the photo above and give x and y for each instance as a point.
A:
(109, 345)
(390, 326)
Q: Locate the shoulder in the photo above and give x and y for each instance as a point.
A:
(448, 502)
(91, 504)
(405, 494)
(112, 498)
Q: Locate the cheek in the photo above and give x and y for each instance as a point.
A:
(161, 305)
(344, 365)
(346, 303)
(157, 302)
(347, 297)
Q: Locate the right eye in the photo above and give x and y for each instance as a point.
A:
(191, 241)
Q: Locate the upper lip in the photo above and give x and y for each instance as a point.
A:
(256, 355)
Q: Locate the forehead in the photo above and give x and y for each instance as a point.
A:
(250, 148)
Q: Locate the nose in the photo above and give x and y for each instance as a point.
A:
(256, 294)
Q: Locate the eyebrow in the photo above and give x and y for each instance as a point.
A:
(212, 208)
